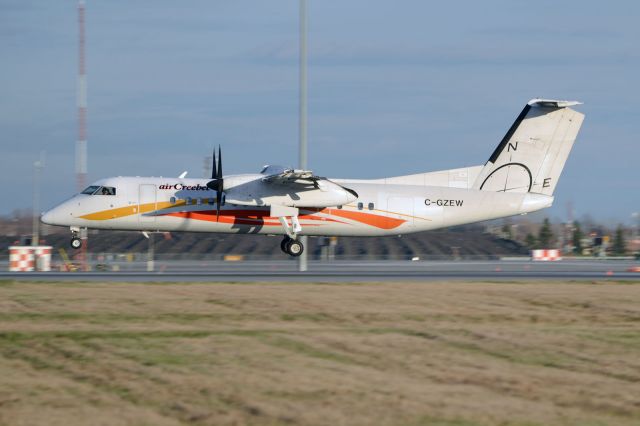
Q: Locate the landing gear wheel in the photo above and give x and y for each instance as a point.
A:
(76, 243)
(283, 244)
(294, 248)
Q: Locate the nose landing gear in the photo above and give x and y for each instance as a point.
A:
(75, 242)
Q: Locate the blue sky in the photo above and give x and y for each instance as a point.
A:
(394, 88)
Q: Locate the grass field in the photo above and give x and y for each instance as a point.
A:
(320, 354)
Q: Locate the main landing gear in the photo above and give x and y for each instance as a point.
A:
(291, 247)
(288, 217)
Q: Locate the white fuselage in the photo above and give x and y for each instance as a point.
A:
(519, 177)
(382, 207)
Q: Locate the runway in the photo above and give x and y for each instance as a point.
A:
(349, 271)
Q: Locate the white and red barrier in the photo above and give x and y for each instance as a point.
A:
(21, 259)
(546, 255)
(42, 258)
(29, 258)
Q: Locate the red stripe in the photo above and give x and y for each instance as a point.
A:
(251, 219)
(262, 218)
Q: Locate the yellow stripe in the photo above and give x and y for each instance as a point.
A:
(354, 207)
(130, 210)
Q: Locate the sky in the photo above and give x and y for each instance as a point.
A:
(395, 88)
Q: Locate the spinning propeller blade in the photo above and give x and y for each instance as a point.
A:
(217, 181)
(213, 166)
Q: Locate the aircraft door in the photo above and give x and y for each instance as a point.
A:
(146, 202)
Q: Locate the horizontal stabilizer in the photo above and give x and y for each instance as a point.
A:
(552, 103)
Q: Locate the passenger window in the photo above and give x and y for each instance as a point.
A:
(199, 201)
(370, 206)
(172, 200)
(339, 207)
(210, 201)
(360, 206)
(188, 200)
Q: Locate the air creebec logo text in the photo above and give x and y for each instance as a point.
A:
(181, 187)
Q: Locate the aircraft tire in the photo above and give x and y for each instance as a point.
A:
(295, 248)
(283, 244)
(75, 243)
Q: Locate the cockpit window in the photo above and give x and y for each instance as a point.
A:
(107, 190)
(99, 190)
(90, 190)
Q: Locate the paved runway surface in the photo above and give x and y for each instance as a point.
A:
(349, 271)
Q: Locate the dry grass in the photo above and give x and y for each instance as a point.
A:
(357, 354)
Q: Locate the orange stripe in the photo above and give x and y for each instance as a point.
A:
(382, 222)
(248, 216)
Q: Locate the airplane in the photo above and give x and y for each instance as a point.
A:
(519, 177)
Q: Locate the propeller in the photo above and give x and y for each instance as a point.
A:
(217, 181)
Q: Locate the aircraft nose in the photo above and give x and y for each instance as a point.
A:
(49, 217)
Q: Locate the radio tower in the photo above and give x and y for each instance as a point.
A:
(81, 144)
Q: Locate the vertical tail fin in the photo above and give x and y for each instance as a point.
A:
(532, 154)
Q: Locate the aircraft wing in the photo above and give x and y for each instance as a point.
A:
(305, 180)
